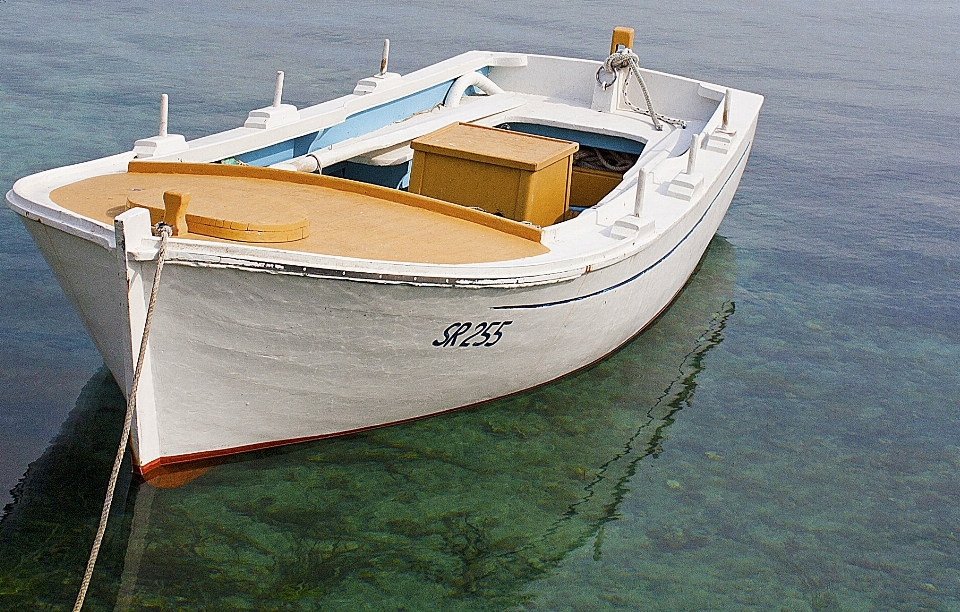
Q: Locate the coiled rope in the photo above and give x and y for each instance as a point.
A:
(165, 231)
(603, 159)
(626, 59)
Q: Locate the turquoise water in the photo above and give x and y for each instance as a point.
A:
(785, 437)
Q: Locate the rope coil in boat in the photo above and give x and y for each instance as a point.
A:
(604, 159)
(165, 231)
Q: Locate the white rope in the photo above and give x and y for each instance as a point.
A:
(627, 59)
(165, 231)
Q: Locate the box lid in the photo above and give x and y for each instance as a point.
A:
(495, 146)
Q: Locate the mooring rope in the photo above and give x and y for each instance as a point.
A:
(626, 59)
(165, 231)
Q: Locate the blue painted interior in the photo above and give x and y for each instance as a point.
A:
(394, 177)
(374, 118)
(273, 154)
(355, 125)
(588, 139)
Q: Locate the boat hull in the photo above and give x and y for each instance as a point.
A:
(242, 358)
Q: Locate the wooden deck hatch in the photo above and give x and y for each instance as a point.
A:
(248, 219)
(516, 175)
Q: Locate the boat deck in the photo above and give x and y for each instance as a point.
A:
(339, 217)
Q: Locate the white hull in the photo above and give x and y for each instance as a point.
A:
(251, 348)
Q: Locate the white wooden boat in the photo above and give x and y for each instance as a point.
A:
(428, 242)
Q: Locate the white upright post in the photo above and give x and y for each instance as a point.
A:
(276, 114)
(641, 192)
(725, 126)
(278, 91)
(164, 103)
(385, 58)
(692, 154)
(163, 143)
(721, 139)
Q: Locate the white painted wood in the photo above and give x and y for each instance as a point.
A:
(692, 154)
(272, 116)
(254, 346)
(164, 102)
(378, 82)
(385, 57)
(278, 89)
(643, 186)
(132, 228)
(473, 79)
(158, 146)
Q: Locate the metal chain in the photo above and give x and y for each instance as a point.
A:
(165, 232)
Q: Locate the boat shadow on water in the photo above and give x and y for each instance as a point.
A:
(458, 511)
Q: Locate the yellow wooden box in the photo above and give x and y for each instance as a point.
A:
(588, 186)
(519, 176)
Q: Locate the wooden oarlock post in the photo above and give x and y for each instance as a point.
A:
(163, 143)
(622, 36)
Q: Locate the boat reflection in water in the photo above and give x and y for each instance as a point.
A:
(458, 511)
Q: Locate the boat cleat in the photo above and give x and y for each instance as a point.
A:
(720, 141)
(377, 82)
(156, 146)
(272, 116)
(685, 186)
(632, 227)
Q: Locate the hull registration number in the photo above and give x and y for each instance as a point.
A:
(467, 334)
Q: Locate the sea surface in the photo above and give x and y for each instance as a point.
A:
(785, 437)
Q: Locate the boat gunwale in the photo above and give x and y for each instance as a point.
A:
(39, 207)
(506, 274)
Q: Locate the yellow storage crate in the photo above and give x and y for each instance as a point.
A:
(519, 176)
(588, 186)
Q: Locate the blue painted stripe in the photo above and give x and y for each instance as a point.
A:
(640, 273)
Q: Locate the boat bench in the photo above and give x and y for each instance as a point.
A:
(389, 146)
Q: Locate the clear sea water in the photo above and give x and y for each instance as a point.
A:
(785, 437)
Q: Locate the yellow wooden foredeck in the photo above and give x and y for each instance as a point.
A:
(343, 217)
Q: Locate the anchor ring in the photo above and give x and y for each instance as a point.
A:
(604, 83)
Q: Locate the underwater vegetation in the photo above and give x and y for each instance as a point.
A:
(456, 512)
(678, 473)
